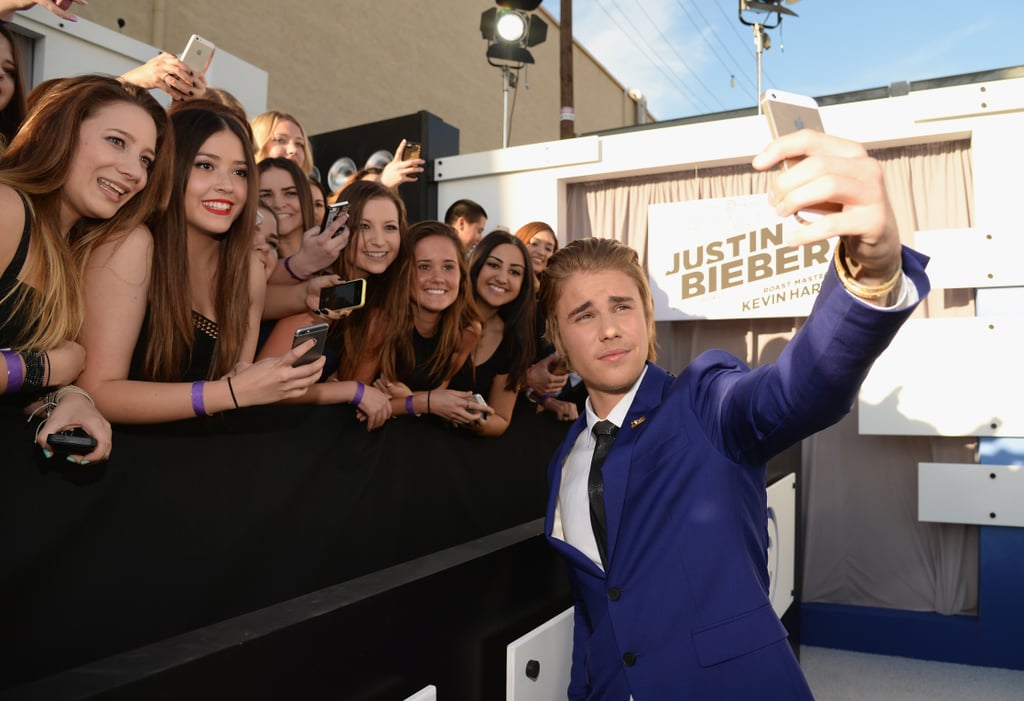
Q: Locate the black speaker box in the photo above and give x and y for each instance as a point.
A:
(438, 138)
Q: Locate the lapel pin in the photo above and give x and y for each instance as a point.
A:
(636, 422)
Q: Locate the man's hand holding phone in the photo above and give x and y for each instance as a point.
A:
(831, 169)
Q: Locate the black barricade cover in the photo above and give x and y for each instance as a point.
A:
(198, 521)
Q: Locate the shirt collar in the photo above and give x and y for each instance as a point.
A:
(618, 413)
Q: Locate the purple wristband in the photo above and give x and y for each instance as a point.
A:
(15, 373)
(408, 406)
(358, 396)
(198, 405)
(544, 398)
(292, 272)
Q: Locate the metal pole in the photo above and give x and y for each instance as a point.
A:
(759, 48)
(507, 76)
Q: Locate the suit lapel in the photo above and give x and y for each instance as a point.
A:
(616, 467)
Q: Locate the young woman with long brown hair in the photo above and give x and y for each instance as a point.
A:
(172, 309)
(432, 339)
(376, 253)
(90, 158)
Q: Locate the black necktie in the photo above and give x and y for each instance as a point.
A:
(604, 433)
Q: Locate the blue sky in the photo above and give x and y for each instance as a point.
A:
(695, 56)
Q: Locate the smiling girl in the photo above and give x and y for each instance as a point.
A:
(501, 275)
(85, 163)
(434, 336)
(172, 310)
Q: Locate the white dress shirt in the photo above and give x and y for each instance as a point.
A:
(572, 512)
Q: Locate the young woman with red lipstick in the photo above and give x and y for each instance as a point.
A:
(172, 310)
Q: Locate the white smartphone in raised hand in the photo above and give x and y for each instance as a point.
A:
(197, 53)
(787, 113)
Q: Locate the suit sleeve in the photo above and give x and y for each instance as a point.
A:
(754, 415)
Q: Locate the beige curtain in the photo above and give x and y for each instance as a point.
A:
(863, 544)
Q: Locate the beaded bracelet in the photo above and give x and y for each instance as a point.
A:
(15, 372)
(358, 396)
(198, 403)
(35, 368)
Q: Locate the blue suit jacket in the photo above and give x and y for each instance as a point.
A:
(682, 611)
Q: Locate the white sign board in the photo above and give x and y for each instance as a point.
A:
(727, 259)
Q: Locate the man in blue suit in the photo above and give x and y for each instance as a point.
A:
(666, 543)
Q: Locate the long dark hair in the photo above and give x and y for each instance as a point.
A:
(171, 332)
(301, 181)
(519, 315)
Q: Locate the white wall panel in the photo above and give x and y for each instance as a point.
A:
(985, 495)
(948, 377)
(972, 257)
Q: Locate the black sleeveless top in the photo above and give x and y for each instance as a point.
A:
(196, 366)
(468, 377)
(11, 322)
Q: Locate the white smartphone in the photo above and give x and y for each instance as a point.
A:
(787, 113)
(197, 53)
(482, 402)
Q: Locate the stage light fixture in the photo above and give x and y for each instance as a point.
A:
(509, 29)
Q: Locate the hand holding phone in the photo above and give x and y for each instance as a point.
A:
(71, 441)
(333, 210)
(316, 332)
(788, 113)
(412, 150)
(198, 53)
(484, 411)
(347, 295)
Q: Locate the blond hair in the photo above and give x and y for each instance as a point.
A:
(591, 255)
(263, 126)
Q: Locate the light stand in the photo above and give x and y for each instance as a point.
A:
(763, 42)
(509, 29)
(510, 81)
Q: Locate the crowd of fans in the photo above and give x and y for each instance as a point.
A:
(158, 264)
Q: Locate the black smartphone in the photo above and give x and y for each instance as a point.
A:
(412, 150)
(347, 295)
(73, 440)
(333, 210)
(318, 332)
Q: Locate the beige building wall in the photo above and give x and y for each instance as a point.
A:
(340, 63)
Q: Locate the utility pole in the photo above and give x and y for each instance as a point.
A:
(567, 116)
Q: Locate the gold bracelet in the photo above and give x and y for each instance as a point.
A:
(857, 289)
(71, 389)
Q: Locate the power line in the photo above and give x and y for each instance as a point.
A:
(739, 70)
(747, 41)
(639, 42)
(682, 60)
